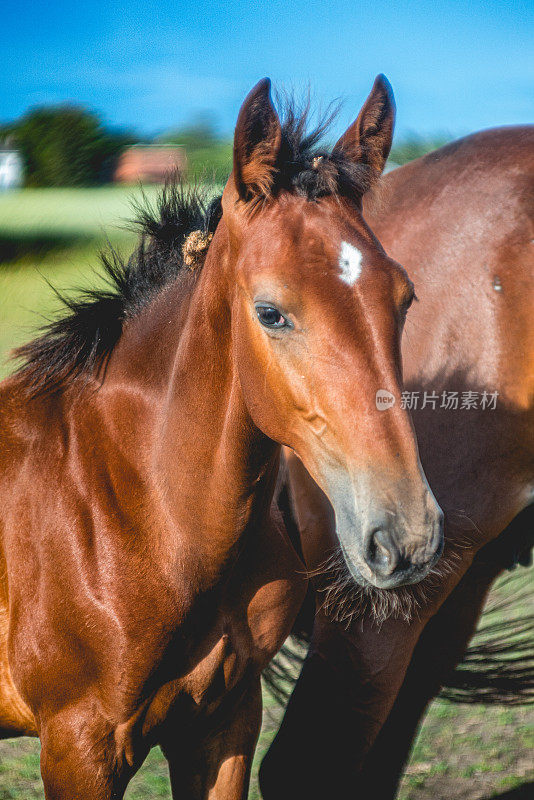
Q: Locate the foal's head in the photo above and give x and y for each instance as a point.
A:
(317, 315)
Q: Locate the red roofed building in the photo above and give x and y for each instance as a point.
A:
(150, 163)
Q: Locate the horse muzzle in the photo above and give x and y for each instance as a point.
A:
(387, 548)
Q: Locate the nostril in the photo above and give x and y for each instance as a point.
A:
(382, 556)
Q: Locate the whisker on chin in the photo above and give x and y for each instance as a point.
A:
(345, 601)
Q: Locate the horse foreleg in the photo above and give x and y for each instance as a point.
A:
(350, 723)
(219, 767)
(343, 697)
(80, 757)
(311, 742)
(439, 650)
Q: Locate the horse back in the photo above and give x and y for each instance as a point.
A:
(461, 221)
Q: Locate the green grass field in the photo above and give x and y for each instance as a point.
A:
(54, 235)
(462, 752)
(74, 212)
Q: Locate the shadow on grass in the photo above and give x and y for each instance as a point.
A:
(523, 792)
(15, 246)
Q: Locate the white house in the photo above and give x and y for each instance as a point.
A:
(11, 169)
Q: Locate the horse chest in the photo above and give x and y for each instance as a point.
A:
(253, 622)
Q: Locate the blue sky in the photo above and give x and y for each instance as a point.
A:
(455, 66)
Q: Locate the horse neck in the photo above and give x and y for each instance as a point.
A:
(214, 470)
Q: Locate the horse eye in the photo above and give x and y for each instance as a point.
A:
(270, 317)
(408, 302)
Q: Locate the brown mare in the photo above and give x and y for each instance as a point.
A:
(461, 222)
(146, 576)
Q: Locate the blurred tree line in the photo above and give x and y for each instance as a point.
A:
(66, 146)
(70, 146)
(414, 146)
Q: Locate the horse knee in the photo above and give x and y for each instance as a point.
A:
(79, 759)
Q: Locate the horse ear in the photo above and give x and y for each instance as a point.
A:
(257, 140)
(368, 140)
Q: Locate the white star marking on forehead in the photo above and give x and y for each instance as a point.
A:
(350, 263)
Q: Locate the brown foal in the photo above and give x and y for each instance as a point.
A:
(461, 221)
(146, 577)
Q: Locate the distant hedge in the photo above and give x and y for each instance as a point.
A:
(66, 146)
(413, 146)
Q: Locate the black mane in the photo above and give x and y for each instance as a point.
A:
(81, 340)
